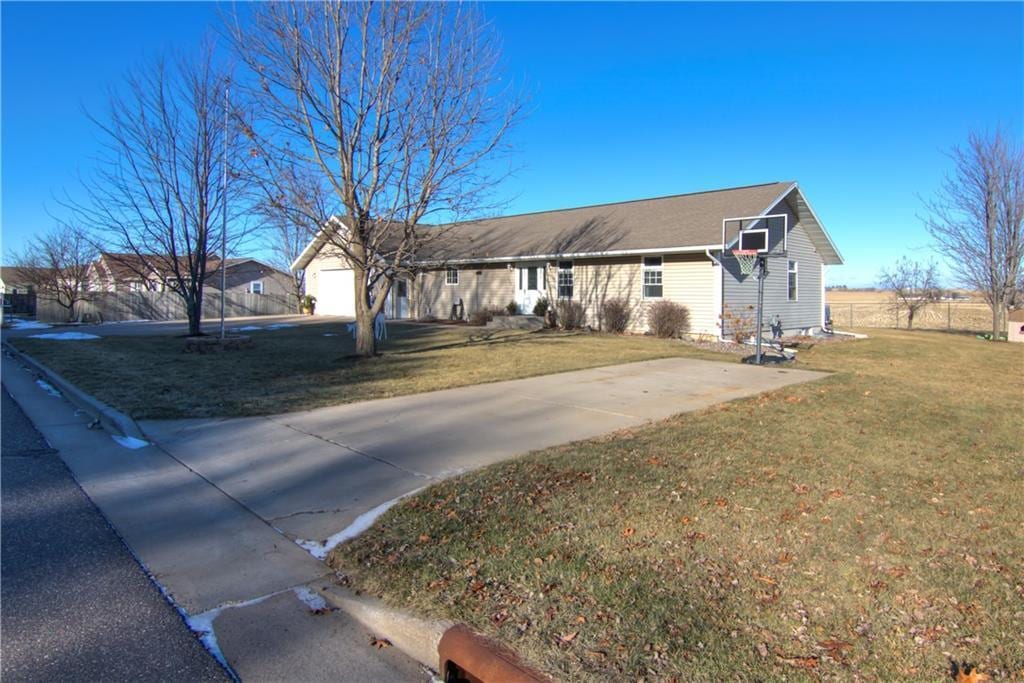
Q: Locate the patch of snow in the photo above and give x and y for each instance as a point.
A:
(202, 626)
(48, 388)
(19, 324)
(129, 441)
(359, 525)
(281, 326)
(248, 328)
(65, 336)
(330, 334)
(313, 600)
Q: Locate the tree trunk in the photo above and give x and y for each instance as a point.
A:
(910, 318)
(366, 342)
(194, 310)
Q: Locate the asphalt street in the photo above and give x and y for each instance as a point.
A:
(76, 604)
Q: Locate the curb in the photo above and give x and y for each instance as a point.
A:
(112, 420)
(415, 637)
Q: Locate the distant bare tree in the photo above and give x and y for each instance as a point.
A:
(395, 108)
(158, 192)
(977, 219)
(56, 264)
(914, 286)
(287, 230)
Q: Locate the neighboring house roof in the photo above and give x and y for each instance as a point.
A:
(19, 275)
(127, 267)
(685, 222)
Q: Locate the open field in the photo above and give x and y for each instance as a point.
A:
(866, 526)
(300, 368)
(860, 308)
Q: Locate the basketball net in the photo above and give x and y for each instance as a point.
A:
(747, 258)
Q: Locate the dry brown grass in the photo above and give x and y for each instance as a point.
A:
(300, 368)
(864, 527)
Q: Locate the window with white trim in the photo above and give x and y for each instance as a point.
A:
(793, 277)
(652, 277)
(451, 276)
(256, 287)
(565, 279)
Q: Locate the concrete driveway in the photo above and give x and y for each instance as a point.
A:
(311, 474)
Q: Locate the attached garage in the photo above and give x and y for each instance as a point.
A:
(336, 292)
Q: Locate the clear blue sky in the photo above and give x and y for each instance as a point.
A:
(856, 101)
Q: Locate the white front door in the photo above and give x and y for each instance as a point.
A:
(529, 286)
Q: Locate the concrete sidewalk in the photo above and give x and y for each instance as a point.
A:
(311, 474)
(249, 589)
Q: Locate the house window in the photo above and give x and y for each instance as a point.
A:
(451, 276)
(565, 279)
(792, 280)
(256, 287)
(652, 277)
(134, 286)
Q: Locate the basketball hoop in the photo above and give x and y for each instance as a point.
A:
(747, 258)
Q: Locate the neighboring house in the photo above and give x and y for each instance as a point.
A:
(249, 276)
(130, 273)
(16, 279)
(17, 288)
(1015, 326)
(642, 251)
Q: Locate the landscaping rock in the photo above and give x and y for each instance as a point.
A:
(234, 342)
(516, 322)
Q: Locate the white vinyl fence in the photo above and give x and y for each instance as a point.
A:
(114, 306)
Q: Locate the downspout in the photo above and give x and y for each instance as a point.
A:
(721, 292)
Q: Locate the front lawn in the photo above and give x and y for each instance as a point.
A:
(300, 368)
(865, 526)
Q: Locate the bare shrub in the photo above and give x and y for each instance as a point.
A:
(738, 324)
(668, 320)
(615, 315)
(481, 317)
(571, 315)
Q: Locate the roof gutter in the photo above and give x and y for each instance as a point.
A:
(577, 255)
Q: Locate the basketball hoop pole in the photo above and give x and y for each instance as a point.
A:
(762, 262)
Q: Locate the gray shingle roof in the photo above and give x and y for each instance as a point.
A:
(678, 221)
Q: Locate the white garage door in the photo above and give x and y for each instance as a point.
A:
(336, 293)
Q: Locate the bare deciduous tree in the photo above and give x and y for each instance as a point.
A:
(914, 286)
(288, 231)
(396, 108)
(159, 190)
(977, 219)
(56, 264)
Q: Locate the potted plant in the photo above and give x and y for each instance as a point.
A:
(308, 304)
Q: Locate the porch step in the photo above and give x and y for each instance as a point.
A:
(516, 322)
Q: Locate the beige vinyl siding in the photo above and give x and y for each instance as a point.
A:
(691, 280)
(687, 279)
(480, 286)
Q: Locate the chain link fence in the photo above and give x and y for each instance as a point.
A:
(943, 315)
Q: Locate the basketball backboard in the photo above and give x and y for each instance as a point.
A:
(765, 234)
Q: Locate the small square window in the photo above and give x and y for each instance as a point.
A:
(256, 287)
(451, 276)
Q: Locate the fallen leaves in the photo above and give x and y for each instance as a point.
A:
(806, 662)
(379, 643)
(966, 673)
